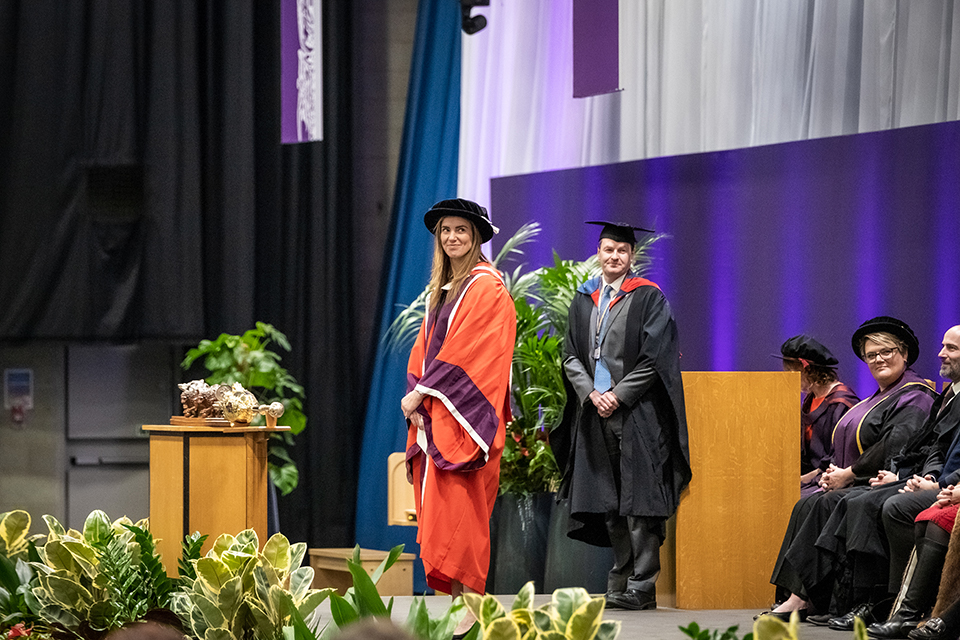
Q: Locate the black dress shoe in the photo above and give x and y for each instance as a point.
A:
(611, 598)
(632, 599)
(845, 622)
(932, 629)
(896, 627)
(821, 619)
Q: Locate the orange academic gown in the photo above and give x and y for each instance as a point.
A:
(461, 363)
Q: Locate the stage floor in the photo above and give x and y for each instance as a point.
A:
(661, 624)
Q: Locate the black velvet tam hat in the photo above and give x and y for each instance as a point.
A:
(618, 231)
(890, 325)
(803, 347)
(464, 209)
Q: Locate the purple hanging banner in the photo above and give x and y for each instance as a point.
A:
(301, 71)
(596, 47)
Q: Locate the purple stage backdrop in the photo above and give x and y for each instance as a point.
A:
(767, 242)
(301, 71)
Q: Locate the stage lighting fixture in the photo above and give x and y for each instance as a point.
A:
(471, 25)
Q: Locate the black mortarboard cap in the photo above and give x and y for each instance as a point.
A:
(618, 231)
(462, 209)
(803, 347)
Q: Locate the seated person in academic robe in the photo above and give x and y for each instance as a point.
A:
(867, 540)
(825, 400)
(944, 623)
(865, 441)
(878, 525)
(458, 401)
(918, 591)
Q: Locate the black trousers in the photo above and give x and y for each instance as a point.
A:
(899, 513)
(636, 552)
(635, 540)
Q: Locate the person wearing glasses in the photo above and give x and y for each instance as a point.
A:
(866, 441)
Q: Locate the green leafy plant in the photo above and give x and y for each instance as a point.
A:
(190, 548)
(17, 578)
(239, 592)
(99, 579)
(696, 633)
(542, 298)
(248, 360)
(571, 614)
(15, 538)
(362, 601)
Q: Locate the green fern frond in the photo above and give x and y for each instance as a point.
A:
(151, 572)
(524, 235)
(403, 330)
(189, 553)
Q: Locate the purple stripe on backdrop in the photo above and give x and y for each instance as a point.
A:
(596, 47)
(722, 215)
(301, 71)
(864, 205)
(945, 237)
(289, 45)
(813, 236)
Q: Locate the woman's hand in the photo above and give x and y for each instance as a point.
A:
(810, 476)
(409, 405)
(948, 496)
(836, 478)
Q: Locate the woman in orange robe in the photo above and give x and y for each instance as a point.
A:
(458, 400)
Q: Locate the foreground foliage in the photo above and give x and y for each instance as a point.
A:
(93, 581)
(571, 614)
(239, 592)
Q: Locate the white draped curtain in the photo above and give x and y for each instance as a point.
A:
(700, 75)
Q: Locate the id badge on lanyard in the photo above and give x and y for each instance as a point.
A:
(601, 314)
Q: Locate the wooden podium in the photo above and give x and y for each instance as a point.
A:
(211, 479)
(744, 430)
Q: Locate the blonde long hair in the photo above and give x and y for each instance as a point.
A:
(442, 271)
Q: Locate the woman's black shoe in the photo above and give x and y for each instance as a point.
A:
(783, 615)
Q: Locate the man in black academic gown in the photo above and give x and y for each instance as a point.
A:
(622, 445)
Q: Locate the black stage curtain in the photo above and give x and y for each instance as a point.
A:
(144, 195)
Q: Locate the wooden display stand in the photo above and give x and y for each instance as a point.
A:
(211, 479)
(745, 454)
(330, 570)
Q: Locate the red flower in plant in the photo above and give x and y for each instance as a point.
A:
(518, 437)
(524, 451)
(19, 631)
